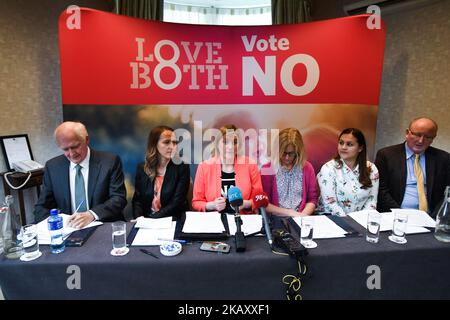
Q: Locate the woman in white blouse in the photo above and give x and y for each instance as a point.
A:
(348, 182)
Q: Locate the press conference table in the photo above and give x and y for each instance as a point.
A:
(337, 270)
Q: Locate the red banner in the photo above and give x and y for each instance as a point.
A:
(116, 60)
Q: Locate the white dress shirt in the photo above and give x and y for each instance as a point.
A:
(85, 172)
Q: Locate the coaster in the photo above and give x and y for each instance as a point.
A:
(397, 241)
(24, 258)
(121, 252)
(310, 245)
(170, 249)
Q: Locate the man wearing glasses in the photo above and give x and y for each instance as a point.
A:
(413, 175)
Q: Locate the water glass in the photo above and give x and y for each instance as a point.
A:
(119, 241)
(306, 232)
(399, 228)
(30, 243)
(373, 227)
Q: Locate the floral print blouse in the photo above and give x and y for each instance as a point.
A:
(340, 190)
(289, 186)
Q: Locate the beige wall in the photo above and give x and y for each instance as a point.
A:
(30, 87)
(416, 73)
(416, 76)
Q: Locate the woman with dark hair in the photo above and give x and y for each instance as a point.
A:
(161, 186)
(348, 182)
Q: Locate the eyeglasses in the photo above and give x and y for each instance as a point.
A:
(234, 141)
(289, 154)
(419, 135)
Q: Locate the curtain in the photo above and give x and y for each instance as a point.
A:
(291, 11)
(216, 16)
(144, 9)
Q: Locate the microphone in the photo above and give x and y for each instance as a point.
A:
(235, 198)
(261, 201)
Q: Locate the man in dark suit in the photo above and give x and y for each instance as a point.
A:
(85, 183)
(399, 187)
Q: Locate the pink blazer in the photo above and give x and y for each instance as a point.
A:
(309, 186)
(207, 184)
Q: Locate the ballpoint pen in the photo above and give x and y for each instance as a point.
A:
(174, 240)
(149, 253)
(76, 210)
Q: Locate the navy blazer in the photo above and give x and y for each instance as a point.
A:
(173, 192)
(106, 188)
(391, 164)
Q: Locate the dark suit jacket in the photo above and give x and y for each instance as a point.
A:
(106, 189)
(173, 192)
(391, 164)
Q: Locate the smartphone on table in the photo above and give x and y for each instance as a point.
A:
(215, 246)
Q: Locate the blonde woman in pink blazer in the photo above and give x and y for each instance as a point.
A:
(226, 168)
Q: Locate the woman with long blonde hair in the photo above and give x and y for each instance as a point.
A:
(225, 169)
(290, 182)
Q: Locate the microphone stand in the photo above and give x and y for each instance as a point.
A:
(239, 236)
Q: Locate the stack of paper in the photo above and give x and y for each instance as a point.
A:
(324, 228)
(203, 222)
(251, 223)
(417, 220)
(153, 232)
(149, 223)
(154, 236)
(44, 234)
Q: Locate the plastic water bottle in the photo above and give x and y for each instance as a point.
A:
(55, 227)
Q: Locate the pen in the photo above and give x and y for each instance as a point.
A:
(175, 240)
(78, 208)
(149, 253)
(76, 211)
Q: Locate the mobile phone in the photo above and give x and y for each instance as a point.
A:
(215, 246)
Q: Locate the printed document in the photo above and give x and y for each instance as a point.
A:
(324, 228)
(251, 223)
(152, 237)
(203, 222)
(387, 221)
(44, 234)
(150, 223)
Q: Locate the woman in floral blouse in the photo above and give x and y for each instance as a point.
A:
(348, 182)
(289, 181)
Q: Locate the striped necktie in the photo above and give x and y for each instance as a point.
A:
(80, 193)
(423, 205)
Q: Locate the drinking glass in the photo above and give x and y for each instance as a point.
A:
(306, 232)
(30, 243)
(399, 228)
(373, 227)
(119, 241)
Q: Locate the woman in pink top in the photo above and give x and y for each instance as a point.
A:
(289, 181)
(226, 168)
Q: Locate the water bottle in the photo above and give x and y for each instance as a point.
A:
(55, 227)
(12, 238)
(442, 231)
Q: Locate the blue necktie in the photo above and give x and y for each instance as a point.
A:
(80, 193)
